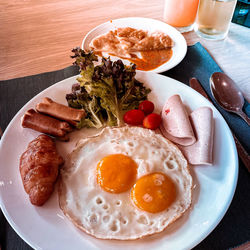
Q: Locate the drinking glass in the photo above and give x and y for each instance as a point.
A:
(213, 18)
(180, 13)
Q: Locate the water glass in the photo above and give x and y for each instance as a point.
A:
(213, 18)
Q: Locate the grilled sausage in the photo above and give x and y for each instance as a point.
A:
(45, 124)
(60, 111)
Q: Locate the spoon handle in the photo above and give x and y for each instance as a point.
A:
(244, 117)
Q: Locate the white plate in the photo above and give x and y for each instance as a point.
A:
(151, 25)
(47, 228)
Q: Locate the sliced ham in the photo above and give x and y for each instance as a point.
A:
(175, 122)
(201, 152)
(193, 133)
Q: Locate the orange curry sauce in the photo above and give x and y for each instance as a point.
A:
(149, 60)
(152, 59)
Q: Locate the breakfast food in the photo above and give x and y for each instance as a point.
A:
(124, 183)
(104, 91)
(134, 117)
(201, 152)
(147, 50)
(143, 116)
(124, 41)
(39, 169)
(193, 133)
(45, 124)
(60, 111)
(175, 122)
(147, 107)
(152, 121)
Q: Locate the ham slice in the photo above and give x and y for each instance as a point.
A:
(193, 133)
(201, 152)
(175, 122)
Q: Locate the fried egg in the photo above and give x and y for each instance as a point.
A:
(125, 183)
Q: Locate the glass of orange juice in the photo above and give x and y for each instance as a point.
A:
(180, 13)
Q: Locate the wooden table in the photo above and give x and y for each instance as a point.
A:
(37, 36)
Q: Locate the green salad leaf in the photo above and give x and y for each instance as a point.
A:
(104, 91)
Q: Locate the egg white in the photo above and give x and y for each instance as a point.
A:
(114, 216)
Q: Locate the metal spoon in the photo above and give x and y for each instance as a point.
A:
(227, 94)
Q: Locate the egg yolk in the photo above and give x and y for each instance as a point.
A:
(153, 192)
(116, 173)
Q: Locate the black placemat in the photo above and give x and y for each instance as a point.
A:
(233, 230)
(15, 93)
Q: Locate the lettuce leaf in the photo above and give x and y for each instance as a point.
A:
(104, 91)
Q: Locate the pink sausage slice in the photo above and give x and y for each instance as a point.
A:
(175, 122)
(201, 152)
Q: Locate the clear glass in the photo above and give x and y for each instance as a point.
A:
(180, 13)
(213, 18)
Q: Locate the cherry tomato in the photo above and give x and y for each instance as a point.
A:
(147, 107)
(152, 121)
(134, 117)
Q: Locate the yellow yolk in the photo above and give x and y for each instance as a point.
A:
(116, 173)
(154, 192)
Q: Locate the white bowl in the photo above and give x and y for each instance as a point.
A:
(151, 25)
